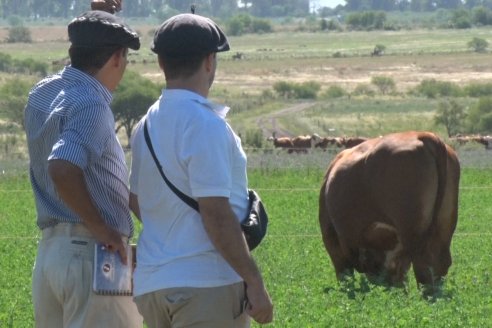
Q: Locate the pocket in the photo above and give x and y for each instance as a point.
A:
(242, 321)
(179, 297)
(78, 247)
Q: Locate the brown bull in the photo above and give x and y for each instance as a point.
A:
(301, 144)
(349, 142)
(326, 142)
(283, 142)
(389, 203)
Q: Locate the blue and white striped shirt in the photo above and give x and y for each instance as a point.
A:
(68, 117)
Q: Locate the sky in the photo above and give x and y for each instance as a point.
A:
(327, 3)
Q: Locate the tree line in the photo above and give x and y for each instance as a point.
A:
(37, 9)
(41, 9)
(414, 5)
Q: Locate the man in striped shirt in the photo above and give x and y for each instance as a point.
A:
(79, 177)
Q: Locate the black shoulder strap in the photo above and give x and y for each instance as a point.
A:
(188, 200)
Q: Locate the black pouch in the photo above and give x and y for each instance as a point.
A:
(255, 224)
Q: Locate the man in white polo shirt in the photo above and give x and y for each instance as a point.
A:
(193, 269)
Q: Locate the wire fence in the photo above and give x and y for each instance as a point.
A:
(469, 156)
(279, 236)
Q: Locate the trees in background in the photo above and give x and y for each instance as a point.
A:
(385, 84)
(241, 24)
(366, 20)
(132, 99)
(413, 5)
(37, 9)
(452, 115)
(478, 44)
(13, 98)
(145, 8)
(480, 116)
(27, 66)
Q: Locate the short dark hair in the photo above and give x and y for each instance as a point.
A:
(181, 67)
(91, 59)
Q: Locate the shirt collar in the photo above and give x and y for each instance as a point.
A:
(72, 73)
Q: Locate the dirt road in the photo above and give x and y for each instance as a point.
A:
(269, 124)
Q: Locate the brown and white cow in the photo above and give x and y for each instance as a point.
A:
(389, 203)
(301, 144)
(326, 142)
(282, 142)
(349, 142)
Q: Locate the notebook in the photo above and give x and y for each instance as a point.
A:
(111, 276)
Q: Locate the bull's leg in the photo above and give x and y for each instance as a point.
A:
(343, 266)
(433, 263)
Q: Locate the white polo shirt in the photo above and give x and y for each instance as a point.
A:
(202, 156)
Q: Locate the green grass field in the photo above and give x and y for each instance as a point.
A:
(298, 272)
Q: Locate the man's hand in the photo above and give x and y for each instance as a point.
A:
(111, 6)
(259, 306)
(111, 239)
(70, 185)
(223, 229)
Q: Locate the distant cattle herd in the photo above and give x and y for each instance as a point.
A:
(301, 144)
(462, 139)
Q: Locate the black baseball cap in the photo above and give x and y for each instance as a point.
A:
(101, 29)
(188, 35)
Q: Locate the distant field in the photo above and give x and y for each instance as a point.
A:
(410, 57)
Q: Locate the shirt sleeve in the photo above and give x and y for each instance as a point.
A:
(136, 144)
(85, 133)
(210, 160)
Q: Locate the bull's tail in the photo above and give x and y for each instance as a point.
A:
(435, 258)
(438, 150)
(324, 220)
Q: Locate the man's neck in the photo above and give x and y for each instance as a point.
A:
(190, 85)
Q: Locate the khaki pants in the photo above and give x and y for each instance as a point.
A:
(62, 284)
(218, 307)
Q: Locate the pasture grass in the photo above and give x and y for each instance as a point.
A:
(296, 267)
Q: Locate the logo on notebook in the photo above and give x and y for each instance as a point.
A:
(106, 267)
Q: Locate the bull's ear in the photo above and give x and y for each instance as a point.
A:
(380, 236)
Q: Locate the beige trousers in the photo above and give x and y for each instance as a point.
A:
(217, 307)
(62, 285)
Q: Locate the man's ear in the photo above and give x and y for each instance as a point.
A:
(209, 61)
(161, 62)
(120, 57)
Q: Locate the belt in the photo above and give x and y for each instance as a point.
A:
(70, 230)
